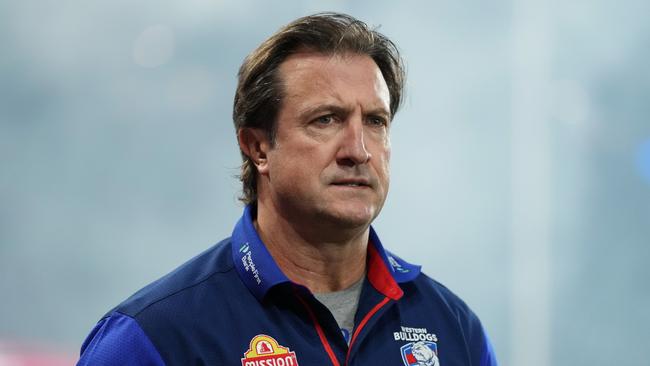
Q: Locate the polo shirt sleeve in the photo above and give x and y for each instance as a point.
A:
(488, 357)
(119, 340)
(480, 347)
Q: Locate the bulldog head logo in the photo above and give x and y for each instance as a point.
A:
(422, 353)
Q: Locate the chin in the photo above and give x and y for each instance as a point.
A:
(352, 215)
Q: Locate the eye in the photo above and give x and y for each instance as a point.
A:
(325, 120)
(377, 121)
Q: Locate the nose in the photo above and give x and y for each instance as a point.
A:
(353, 150)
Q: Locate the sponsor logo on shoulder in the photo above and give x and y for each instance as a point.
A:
(264, 350)
(249, 265)
(396, 266)
(422, 349)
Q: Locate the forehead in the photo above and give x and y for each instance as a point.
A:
(346, 78)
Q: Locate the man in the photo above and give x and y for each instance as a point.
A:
(304, 279)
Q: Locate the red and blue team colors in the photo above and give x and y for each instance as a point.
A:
(232, 305)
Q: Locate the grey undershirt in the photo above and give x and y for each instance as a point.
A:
(343, 305)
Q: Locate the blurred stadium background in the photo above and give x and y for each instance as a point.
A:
(521, 161)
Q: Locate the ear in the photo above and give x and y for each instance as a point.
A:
(255, 144)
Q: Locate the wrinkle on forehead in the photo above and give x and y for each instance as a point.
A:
(326, 76)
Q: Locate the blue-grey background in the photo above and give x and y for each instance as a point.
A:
(520, 172)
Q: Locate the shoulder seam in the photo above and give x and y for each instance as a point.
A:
(200, 281)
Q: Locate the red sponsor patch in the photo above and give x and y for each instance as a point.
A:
(264, 350)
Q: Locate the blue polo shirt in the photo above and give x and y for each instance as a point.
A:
(232, 305)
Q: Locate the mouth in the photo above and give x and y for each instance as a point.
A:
(352, 183)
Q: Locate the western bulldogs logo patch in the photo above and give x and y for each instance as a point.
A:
(422, 353)
(265, 351)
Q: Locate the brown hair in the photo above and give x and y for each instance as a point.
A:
(259, 90)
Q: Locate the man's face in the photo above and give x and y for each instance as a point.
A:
(332, 150)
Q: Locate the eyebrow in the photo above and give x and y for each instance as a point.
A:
(332, 108)
(336, 109)
(380, 112)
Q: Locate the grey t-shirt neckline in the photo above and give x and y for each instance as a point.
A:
(343, 306)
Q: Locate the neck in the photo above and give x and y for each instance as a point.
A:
(322, 263)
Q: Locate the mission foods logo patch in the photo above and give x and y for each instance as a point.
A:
(265, 351)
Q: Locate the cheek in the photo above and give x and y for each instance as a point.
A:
(291, 167)
(381, 146)
(384, 160)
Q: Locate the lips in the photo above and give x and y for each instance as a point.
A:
(352, 182)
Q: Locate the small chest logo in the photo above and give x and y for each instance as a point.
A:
(422, 353)
(422, 349)
(265, 351)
